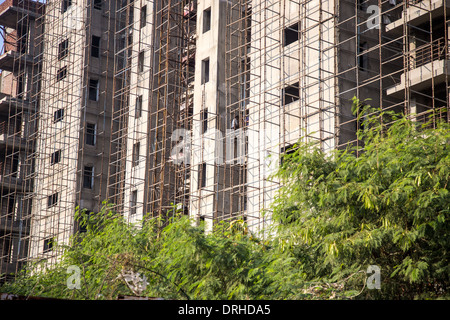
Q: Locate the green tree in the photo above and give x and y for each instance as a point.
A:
(178, 259)
(389, 207)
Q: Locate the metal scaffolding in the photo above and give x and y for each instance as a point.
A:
(165, 106)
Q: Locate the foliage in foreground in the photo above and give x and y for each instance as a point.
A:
(388, 207)
(178, 260)
(336, 214)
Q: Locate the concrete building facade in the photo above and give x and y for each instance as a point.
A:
(187, 106)
(75, 120)
(264, 74)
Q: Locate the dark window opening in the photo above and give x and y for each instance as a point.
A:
(133, 202)
(65, 5)
(143, 16)
(205, 71)
(291, 34)
(5, 248)
(290, 149)
(88, 177)
(11, 202)
(58, 115)
(362, 57)
(20, 87)
(90, 134)
(48, 245)
(204, 120)
(291, 93)
(98, 4)
(136, 153)
(245, 80)
(95, 46)
(362, 5)
(52, 200)
(62, 73)
(15, 165)
(141, 61)
(16, 123)
(23, 40)
(93, 90)
(206, 20)
(138, 107)
(63, 49)
(201, 175)
(56, 157)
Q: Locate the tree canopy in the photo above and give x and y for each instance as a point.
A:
(384, 204)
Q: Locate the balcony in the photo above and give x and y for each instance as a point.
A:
(8, 102)
(7, 223)
(11, 137)
(10, 181)
(418, 12)
(426, 53)
(10, 10)
(427, 64)
(13, 60)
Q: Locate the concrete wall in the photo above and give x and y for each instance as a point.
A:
(138, 125)
(68, 135)
(212, 201)
(272, 125)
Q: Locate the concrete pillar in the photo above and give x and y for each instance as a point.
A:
(412, 49)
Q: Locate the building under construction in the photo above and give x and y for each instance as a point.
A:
(164, 106)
